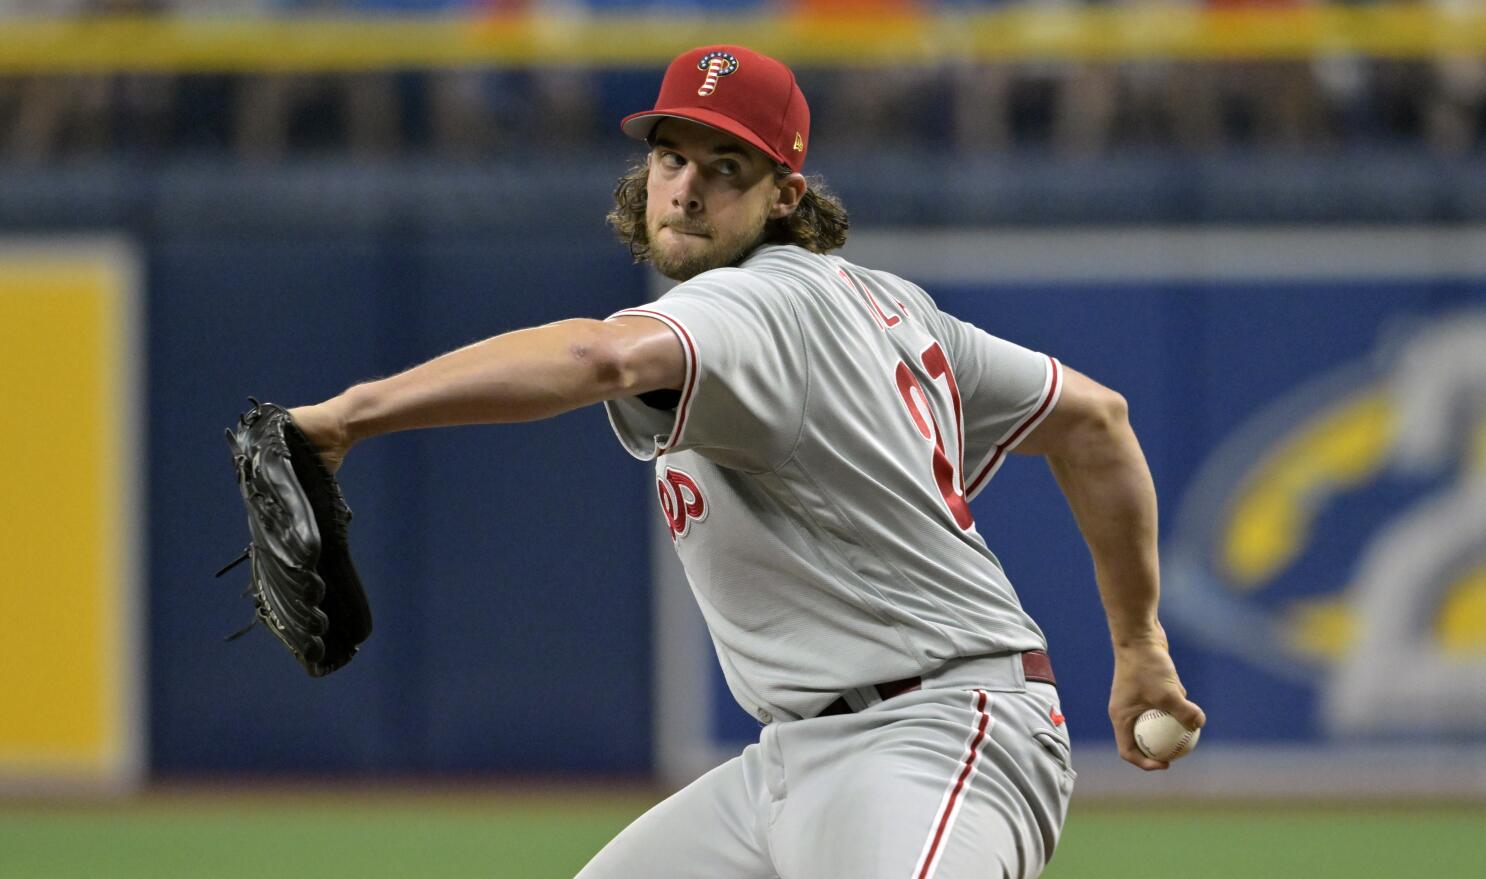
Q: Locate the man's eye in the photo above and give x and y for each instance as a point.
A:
(727, 168)
(671, 160)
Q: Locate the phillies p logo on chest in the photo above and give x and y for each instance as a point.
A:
(681, 502)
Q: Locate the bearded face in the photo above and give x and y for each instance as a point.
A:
(683, 247)
(709, 197)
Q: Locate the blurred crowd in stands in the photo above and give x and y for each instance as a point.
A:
(1073, 109)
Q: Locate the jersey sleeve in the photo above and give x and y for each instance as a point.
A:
(743, 400)
(1007, 391)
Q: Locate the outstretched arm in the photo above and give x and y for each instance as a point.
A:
(524, 375)
(1094, 455)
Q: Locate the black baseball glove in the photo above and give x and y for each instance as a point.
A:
(303, 584)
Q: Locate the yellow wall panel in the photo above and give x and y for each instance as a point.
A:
(68, 655)
(865, 37)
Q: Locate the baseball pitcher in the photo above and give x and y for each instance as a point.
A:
(818, 429)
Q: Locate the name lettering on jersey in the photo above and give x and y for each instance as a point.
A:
(884, 320)
(681, 501)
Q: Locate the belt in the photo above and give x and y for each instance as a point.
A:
(1036, 666)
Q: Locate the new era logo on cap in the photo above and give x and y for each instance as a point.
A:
(759, 102)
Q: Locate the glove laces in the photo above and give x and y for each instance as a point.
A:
(257, 614)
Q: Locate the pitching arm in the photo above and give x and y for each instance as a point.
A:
(526, 375)
(1094, 455)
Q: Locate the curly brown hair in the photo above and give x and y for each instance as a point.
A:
(818, 223)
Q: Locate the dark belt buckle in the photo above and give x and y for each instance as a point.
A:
(884, 692)
(1037, 667)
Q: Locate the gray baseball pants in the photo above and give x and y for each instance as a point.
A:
(968, 776)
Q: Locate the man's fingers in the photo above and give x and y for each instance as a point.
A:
(1125, 741)
(1189, 713)
(1134, 756)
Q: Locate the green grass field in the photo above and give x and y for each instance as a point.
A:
(496, 836)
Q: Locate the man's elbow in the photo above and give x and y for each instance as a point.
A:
(591, 348)
(1088, 420)
(1110, 411)
(1099, 419)
(1100, 435)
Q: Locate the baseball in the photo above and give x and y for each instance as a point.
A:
(1162, 737)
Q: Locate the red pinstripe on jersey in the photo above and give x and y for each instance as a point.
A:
(1020, 431)
(691, 371)
(949, 807)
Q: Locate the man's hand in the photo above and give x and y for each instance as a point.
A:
(1145, 678)
(324, 424)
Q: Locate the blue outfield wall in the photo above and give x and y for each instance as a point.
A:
(509, 566)
(1200, 363)
(506, 565)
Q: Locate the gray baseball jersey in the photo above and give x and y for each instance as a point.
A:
(815, 472)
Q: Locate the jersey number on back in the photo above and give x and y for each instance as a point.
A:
(949, 477)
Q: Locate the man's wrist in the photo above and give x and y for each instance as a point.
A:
(354, 407)
(1138, 636)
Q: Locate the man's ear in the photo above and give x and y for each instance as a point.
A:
(791, 190)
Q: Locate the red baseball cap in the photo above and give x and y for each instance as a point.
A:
(736, 90)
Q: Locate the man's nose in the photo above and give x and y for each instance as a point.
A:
(686, 195)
